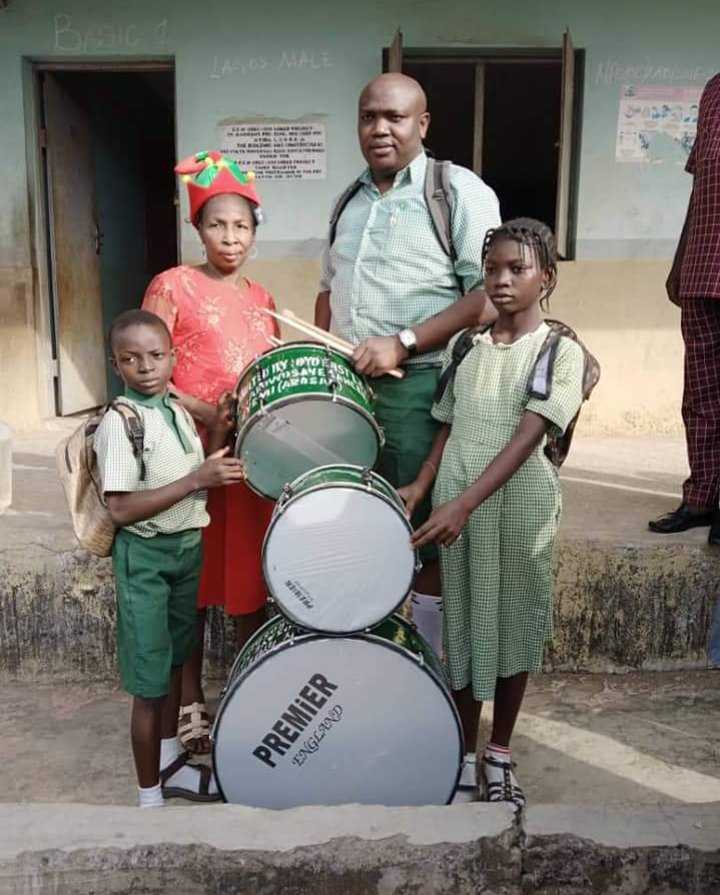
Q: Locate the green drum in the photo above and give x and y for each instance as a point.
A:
(337, 556)
(307, 719)
(298, 407)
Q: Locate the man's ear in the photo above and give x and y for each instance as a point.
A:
(424, 124)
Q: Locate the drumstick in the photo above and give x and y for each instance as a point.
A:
(322, 335)
(278, 343)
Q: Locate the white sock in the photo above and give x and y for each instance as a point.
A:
(150, 796)
(187, 777)
(427, 615)
(468, 774)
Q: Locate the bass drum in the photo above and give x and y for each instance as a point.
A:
(307, 719)
(337, 556)
(298, 407)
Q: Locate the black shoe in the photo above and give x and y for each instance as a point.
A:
(682, 519)
(714, 536)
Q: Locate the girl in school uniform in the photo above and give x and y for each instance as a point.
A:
(497, 498)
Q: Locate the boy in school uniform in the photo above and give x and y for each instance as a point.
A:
(158, 504)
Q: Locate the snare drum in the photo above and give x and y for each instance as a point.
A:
(301, 406)
(312, 720)
(337, 555)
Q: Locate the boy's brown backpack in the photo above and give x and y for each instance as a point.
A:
(78, 471)
(557, 447)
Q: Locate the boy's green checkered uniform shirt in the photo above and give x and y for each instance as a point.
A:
(172, 450)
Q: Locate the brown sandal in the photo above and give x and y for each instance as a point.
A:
(194, 727)
(203, 793)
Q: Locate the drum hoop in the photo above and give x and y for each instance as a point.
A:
(295, 399)
(316, 635)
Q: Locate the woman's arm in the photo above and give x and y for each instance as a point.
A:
(201, 411)
(448, 520)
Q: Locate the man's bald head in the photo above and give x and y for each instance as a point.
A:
(400, 86)
(392, 123)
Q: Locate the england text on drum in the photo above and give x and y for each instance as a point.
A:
(311, 698)
(312, 743)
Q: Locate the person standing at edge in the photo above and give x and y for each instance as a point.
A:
(389, 287)
(694, 285)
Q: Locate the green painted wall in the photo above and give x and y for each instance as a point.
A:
(286, 59)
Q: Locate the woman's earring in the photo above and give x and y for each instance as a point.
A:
(253, 253)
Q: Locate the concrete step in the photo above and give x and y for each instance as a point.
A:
(359, 849)
(625, 598)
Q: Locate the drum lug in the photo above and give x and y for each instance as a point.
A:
(366, 478)
(285, 494)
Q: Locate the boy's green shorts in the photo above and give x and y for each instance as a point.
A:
(402, 408)
(156, 584)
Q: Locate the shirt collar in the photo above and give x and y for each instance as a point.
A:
(412, 173)
(147, 400)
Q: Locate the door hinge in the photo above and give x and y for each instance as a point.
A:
(42, 138)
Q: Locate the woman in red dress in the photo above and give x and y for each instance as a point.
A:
(216, 318)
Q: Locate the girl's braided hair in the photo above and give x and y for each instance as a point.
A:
(536, 236)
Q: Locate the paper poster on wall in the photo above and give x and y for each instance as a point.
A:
(294, 150)
(653, 119)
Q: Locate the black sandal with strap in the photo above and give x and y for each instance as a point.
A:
(203, 794)
(505, 791)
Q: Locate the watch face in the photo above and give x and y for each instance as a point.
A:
(407, 337)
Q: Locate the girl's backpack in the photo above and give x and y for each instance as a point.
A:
(557, 447)
(78, 470)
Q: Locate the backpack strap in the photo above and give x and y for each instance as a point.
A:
(134, 430)
(461, 347)
(341, 205)
(540, 382)
(440, 201)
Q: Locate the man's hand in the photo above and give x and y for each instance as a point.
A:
(377, 355)
(444, 525)
(219, 470)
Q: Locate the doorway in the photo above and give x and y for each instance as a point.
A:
(107, 141)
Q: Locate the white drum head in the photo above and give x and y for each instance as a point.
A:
(338, 559)
(330, 721)
(301, 435)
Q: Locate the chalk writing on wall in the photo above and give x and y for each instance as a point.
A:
(293, 150)
(610, 71)
(286, 60)
(96, 36)
(651, 115)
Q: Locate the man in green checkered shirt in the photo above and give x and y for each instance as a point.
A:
(389, 287)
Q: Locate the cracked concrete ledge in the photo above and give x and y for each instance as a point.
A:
(616, 608)
(351, 849)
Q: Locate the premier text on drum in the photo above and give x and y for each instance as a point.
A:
(298, 715)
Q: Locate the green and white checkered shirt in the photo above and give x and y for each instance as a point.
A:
(386, 269)
(172, 450)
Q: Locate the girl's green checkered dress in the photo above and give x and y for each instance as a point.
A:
(497, 576)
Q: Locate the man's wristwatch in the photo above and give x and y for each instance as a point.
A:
(408, 341)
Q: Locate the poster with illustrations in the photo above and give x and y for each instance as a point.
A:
(656, 123)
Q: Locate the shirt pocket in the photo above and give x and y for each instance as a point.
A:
(411, 239)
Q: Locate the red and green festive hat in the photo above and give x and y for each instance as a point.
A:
(209, 174)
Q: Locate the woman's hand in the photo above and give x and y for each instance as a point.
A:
(223, 421)
(444, 525)
(412, 495)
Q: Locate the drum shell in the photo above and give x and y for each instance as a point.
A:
(380, 745)
(302, 384)
(305, 575)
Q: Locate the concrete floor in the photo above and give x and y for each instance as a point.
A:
(620, 740)
(637, 739)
